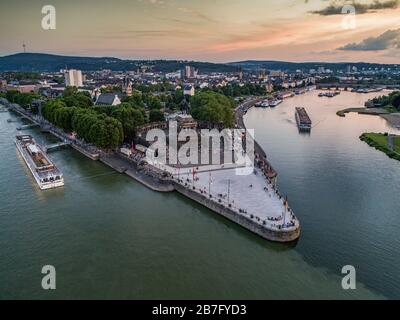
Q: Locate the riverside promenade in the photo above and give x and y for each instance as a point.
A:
(250, 200)
(249, 196)
(260, 155)
(88, 150)
(116, 161)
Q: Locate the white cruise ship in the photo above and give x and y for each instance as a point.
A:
(46, 174)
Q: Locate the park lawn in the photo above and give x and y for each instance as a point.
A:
(378, 138)
(390, 109)
(397, 144)
(381, 140)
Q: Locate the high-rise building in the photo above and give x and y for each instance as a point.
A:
(262, 74)
(240, 74)
(3, 85)
(188, 72)
(127, 86)
(73, 78)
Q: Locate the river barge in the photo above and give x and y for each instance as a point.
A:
(303, 120)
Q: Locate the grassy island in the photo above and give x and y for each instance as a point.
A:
(379, 141)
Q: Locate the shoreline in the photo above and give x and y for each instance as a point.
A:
(159, 183)
(375, 140)
(392, 118)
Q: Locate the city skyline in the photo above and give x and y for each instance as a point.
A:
(209, 30)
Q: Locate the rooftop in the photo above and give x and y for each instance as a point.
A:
(106, 98)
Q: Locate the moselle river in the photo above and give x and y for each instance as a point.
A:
(110, 237)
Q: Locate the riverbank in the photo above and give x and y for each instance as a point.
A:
(371, 111)
(280, 225)
(393, 118)
(379, 141)
(101, 217)
(260, 154)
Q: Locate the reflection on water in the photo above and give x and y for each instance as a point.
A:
(341, 189)
(110, 237)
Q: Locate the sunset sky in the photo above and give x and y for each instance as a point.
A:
(206, 30)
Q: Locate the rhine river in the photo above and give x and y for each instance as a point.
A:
(111, 238)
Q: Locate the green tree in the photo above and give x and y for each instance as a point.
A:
(213, 107)
(130, 119)
(70, 91)
(395, 100)
(153, 102)
(156, 116)
(50, 107)
(136, 100)
(73, 98)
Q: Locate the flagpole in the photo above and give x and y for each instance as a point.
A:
(209, 184)
(284, 213)
(229, 189)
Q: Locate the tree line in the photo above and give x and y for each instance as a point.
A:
(236, 90)
(23, 99)
(392, 99)
(213, 108)
(99, 129)
(108, 126)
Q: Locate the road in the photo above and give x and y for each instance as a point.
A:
(239, 114)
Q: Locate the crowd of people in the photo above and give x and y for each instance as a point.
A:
(137, 156)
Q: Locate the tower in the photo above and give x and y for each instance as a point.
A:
(127, 86)
(240, 74)
(73, 78)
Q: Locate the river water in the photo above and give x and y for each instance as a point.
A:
(110, 237)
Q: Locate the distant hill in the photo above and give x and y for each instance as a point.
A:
(48, 62)
(293, 66)
(39, 62)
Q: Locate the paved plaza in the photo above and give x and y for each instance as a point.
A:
(251, 195)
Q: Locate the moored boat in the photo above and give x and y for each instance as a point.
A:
(274, 103)
(46, 174)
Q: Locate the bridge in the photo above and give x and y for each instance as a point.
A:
(28, 126)
(58, 145)
(343, 85)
